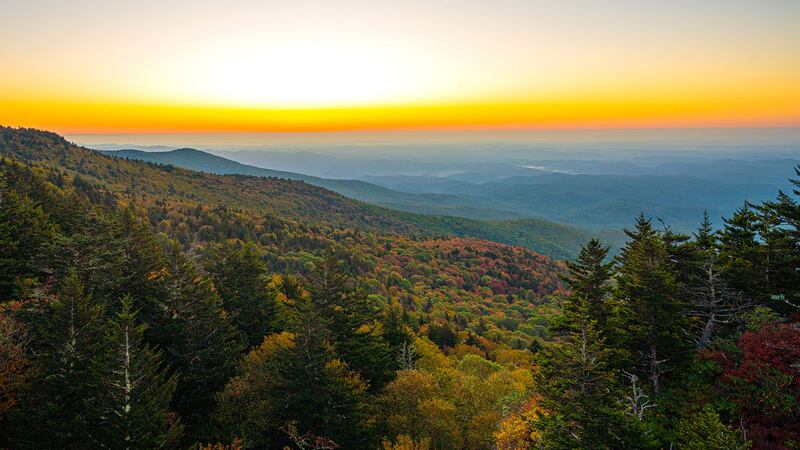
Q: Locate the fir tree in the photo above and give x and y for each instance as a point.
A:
(296, 378)
(357, 334)
(199, 341)
(589, 279)
(779, 224)
(580, 390)
(335, 400)
(239, 275)
(705, 431)
(647, 288)
(65, 334)
(713, 304)
(134, 390)
(95, 252)
(705, 238)
(24, 230)
(741, 255)
(143, 262)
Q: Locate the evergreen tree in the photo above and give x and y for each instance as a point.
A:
(580, 390)
(134, 390)
(239, 275)
(333, 406)
(779, 224)
(589, 279)
(705, 238)
(705, 431)
(713, 305)
(579, 380)
(143, 262)
(398, 337)
(655, 315)
(741, 254)
(66, 332)
(24, 230)
(95, 251)
(296, 378)
(357, 334)
(199, 341)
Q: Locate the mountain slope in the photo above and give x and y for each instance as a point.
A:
(442, 204)
(277, 198)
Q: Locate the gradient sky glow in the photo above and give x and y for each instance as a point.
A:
(182, 66)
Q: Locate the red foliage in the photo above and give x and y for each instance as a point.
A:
(776, 347)
(766, 385)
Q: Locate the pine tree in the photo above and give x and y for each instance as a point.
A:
(705, 431)
(143, 262)
(95, 251)
(398, 337)
(333, 404)
(779, 225)
(705, 239)
(578, 380)
(134, 390)
(296, 379)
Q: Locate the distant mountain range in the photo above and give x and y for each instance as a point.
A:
(594, 194)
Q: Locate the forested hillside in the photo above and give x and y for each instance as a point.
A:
(440, 214)
(149, 306)
(192, 159)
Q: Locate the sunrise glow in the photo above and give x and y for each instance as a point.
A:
(314, 66)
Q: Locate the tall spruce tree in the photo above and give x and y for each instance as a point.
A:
(134, 390)
(296, 378)
(239, 274)
(741, 254)
(581, 391)
(95, 251)
(357, 334)
(589, 278)
(24, 230)
(199, 341)
(66, 332)
(647, 287)
(579, 380)
(705, 238)
(333, 406)
(713, 305)
(779, 225)
(143, 261)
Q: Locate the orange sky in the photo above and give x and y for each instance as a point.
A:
(199, 66)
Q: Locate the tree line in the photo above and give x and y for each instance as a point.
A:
(680, 340)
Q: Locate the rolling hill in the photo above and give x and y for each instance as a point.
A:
(440, 214)
(440, 204)
(284, 199)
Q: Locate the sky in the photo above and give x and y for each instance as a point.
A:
(188, 66)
